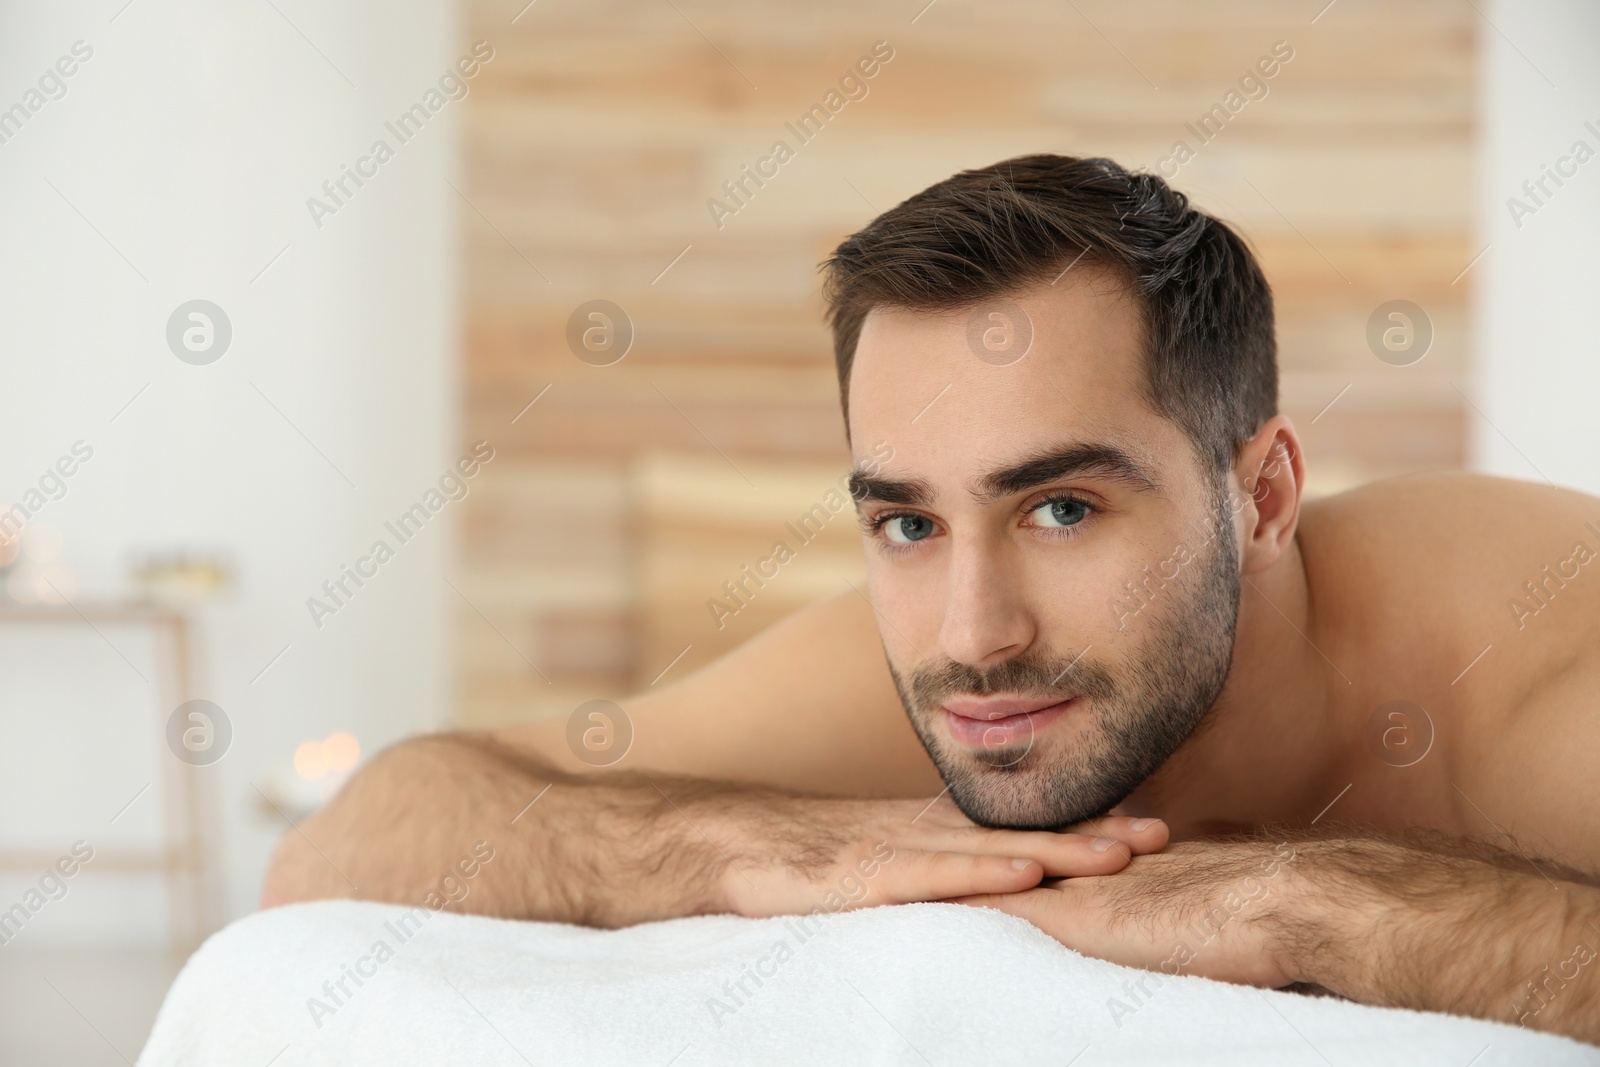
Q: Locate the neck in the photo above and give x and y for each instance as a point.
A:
(1268, 749)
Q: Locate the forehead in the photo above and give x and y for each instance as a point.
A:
(943, 388)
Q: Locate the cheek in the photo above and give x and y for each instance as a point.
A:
(1112, 587)
(1076, 594)
(907, 605)
(1175, 587)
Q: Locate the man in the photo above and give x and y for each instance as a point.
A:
(1110, 621)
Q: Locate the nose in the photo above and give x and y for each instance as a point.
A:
(986, 615)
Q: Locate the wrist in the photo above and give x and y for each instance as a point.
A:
(1381, 923)
(1557, 988)
(1329, 919)
(769, 852)
(715, 838)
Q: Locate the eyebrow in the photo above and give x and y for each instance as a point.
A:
(911, 492)
(1101, 460)
(1097, 459)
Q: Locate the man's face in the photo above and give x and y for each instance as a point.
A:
(1055, 574)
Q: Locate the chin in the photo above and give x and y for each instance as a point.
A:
(1019, 798)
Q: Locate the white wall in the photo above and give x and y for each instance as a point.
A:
(1538, 286)
(191, 141)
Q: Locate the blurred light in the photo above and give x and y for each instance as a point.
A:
(180, 577)
(57, 585)
(341, 751)
(41, 542)
(334, 754)
(308, 761)
(23, 585)
(10, 548)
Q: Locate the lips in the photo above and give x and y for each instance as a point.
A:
(1002, 722)
(987, 708)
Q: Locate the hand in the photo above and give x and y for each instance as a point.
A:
(796, 855)
(1216, 909)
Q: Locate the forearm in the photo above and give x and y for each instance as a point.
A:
(615, 849)
(598, 850)
(1484, 934)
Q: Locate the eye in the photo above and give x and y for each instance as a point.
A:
(1063, 511)
(907, 529)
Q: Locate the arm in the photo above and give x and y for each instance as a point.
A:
(1420, 921)
(808, 704)
(397, 830)
(715, 807)
(616, 849)
(1462, 929)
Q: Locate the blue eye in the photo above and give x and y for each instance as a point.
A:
(1059, 513)
(907, 529)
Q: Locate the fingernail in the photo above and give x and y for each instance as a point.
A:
(1102, 843)
(1141, 824)
(1021, 865)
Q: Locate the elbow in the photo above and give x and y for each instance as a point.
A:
(370, 833)
(318, 858)
(277, 888)
(297, 873)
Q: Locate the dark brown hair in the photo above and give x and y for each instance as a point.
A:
(1211, 357)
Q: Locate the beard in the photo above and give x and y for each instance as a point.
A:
(1142, 713)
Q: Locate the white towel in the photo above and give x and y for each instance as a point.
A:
(917, 984)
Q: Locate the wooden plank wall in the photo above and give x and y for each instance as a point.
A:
(621, 500)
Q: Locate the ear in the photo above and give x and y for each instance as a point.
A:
(1267, 481)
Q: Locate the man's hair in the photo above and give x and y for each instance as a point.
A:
(1211, 357)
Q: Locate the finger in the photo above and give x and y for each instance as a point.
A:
(1035, 905)
(1063, 855)
(1141, 836)
(1065, 916)
(920, 876)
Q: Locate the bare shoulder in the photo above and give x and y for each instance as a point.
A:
(807, 704)
(1459, 502)
(1465, 540)
(1424, 571)
(1480, 598)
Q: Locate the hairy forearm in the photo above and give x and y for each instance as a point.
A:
(603, 850)
(1445, 927)
(466, 821)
